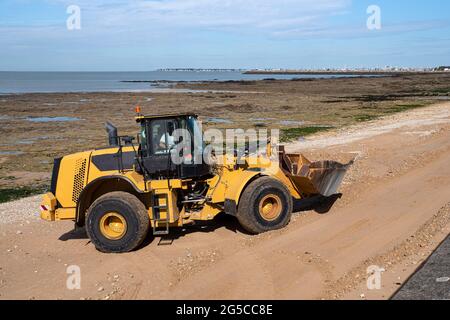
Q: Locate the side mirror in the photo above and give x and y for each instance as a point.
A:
(128, 140)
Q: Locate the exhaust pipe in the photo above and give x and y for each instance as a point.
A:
(113, 138)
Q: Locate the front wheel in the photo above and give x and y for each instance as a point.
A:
(265, 205)
(117, 222)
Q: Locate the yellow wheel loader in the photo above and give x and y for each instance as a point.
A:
(121, 192)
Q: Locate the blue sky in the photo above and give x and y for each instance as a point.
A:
(141, 35)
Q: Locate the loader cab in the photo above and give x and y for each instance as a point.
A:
(162, 137)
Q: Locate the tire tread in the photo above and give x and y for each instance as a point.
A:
(139, 210)
(245, 212)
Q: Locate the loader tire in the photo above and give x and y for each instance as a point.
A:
(265, 205)
(117, 222)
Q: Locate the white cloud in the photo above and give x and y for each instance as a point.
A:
(350, 31)
(256, 15)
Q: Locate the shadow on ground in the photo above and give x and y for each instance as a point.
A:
(319, 204)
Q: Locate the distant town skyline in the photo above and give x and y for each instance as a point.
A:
(143, 35)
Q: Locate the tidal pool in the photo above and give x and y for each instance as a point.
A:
(53, 119)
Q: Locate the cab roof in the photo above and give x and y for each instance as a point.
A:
(165, 116)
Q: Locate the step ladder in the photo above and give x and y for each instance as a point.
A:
(156, 212)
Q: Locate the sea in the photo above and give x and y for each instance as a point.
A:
(61, 82)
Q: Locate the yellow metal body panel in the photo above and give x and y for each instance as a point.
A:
(49, 200)
(65, 213)
(288, 183)
(230, 184)
(131, 175)
(48, 215)
(73, 178)
(48, 206)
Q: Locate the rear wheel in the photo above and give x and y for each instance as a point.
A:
(117, 222)
(265, 204)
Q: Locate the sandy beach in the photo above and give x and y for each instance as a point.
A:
(394, 213)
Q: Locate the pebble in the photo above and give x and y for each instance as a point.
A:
(19, 232)
(19, 210)
(100, 289)
(362, 295)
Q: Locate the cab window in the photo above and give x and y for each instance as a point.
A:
(162, 136)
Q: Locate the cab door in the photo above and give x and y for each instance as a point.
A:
(156, 147)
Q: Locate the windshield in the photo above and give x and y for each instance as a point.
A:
(153, 139)
(143, 140)
(195, 128)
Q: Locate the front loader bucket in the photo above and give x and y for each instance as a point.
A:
(314, 178)
(327, 176)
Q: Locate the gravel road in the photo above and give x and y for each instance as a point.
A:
(25, 209)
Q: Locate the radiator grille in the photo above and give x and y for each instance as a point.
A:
(78, 181)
